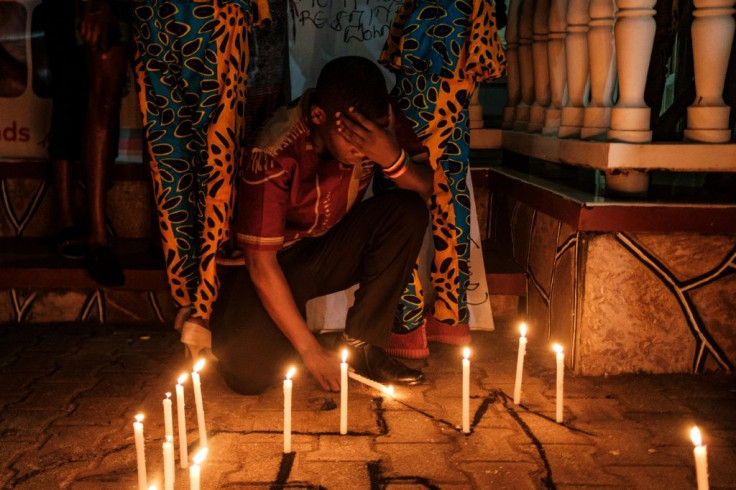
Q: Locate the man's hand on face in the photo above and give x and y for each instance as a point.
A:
(324, 365)
(378, 143)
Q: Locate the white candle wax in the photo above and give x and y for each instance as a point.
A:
(197, 387)
(168, 419)
(344, 393)
(701, 459)
(287, 410)
(195, 470)
(182, 421)
(140, 450)
(560, 356)
(520, 364)
(388, 390)
(466, 391)
(169, 463)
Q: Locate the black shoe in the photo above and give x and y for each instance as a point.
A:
(104, 267)
(375, 363)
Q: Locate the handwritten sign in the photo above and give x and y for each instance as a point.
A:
(321, 30)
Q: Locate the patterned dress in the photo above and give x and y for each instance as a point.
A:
(191, 67)
(439, 51)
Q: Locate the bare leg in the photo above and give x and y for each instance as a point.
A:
(62, 170)
(107, 73)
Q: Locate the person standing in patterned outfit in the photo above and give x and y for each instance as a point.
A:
(191, 67)
(439, 52)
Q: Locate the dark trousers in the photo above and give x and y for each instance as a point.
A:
(375, 245)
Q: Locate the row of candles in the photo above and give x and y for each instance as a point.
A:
(168, 445)
(700, 451)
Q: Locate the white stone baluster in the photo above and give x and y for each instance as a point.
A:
(601, 50)
(576, 54)
(712, 32)
(540, 28)
(526, 70)
(513, 83)
(634, 34)
(557, 66)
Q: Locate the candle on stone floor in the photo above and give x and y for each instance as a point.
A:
(466, 390)
(701, 459)
(287, 409)
(168, 419)
(197, 387)
(520, 363)
(140, 450)
(344, 393)
(387, 390)
(169, 463)
(182, 421)
(560, 356)
(194, 470)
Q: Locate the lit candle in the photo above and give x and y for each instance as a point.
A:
(287, 410)
(181, 420)
(466, 390)
(169, 464)
(194, 470)
(344, 393)
(140, 450)
(560, 355)
(520, 363)
(701, 459)
(388, 390)
(168, 420)
(198, 401)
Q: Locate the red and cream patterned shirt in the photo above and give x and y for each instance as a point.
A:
(287, 192)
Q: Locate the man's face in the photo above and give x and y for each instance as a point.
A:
(333, 143)
(337, 146)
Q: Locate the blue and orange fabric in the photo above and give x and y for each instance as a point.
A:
(191, 67)
(440, 51)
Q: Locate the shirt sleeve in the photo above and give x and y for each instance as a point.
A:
(264, 199)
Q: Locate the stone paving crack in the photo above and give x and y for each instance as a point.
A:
(546, 480)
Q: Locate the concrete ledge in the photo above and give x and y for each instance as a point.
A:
(603, 155)
(586, 212)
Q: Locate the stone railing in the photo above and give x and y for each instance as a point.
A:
(565, 58)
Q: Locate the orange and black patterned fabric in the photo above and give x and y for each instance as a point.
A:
(191, 69)
(439, 51)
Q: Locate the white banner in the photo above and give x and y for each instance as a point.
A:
(321, 30)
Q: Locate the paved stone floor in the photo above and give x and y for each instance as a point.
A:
(69, 394)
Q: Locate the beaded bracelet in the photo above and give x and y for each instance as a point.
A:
(397, 164)
(395, 175)
(399, 171)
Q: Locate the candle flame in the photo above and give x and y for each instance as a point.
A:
(200, 456)
(522, 329)
(466, 353)
(139, 418)
(557, 348)
(290, 372)
(344, 355)
(170, 439)
(152, 487)
(198, 367)
(168, 394)
(182, 378)
(390, 390)
(695, 436)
